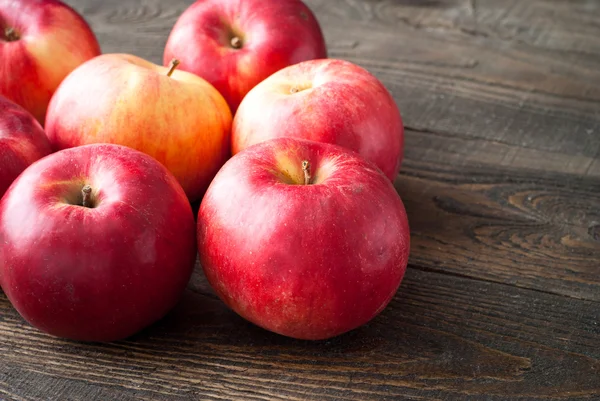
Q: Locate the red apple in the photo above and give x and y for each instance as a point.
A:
(305, 239)
(331, 101)
(235, 44)
(22, 141)
(97, 242)
(41, 42)
(174, 116)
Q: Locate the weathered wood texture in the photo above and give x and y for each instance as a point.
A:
(501, 181)
(442, 337)
(536, 230)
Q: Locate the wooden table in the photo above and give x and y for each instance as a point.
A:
(501, 181)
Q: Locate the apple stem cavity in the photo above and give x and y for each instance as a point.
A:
(306, 170)
(10, 34)
(294, 90)
(236, 42)
(86, 193)
(173, 67)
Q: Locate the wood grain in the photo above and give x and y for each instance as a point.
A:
(501, 180)
(514, 226)
(457, 151)
(442, 337)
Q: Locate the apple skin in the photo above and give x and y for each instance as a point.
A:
(180, 120)
(331, 101)
(273, 35)
(305, 261)
(22, 142)
(101, 273)
(53, 39)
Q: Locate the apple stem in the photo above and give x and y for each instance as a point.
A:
(294, 90)
(86, 193)
(11, 34)
(236, 42)
(306, 170)
(173, 66)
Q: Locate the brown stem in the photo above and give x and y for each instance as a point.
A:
(294, 90)
(306, 170)
(236, 42)
(86, 193)
(173, 66)
(10, 34)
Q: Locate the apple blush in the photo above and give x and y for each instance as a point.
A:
(41, 42)
(329, 100)
(235, 44)
(305, 239)
(176, 117)
(98, 242)
(22, 142)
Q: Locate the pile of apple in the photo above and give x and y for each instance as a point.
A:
(290, 154)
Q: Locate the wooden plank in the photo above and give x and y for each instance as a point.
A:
(442, 337)
(526, 228)
(457, 151)
(562, 26)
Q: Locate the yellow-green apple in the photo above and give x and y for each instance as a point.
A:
(306, 239)
(41, 42)
(22, 142)
(174, 116)
(235, 44)
(331, 101)
(98, 242)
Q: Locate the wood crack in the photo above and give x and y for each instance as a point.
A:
(467, 137)
(445, 272)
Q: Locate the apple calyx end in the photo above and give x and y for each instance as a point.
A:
(11, 35)
(306, 171)
(236, 43)
(173, 66)
(86, 196)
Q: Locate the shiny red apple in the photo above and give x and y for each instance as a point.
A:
(235, 44)
(41, 42)
(331, 101)
(22, 142)
(96, 242)
(302, 238)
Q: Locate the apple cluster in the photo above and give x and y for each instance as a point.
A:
(290, 154)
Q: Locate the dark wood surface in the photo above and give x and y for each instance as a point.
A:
(501, 181)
